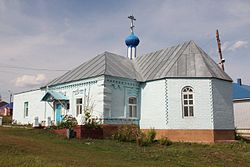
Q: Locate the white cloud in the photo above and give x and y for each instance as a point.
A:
(230, 46)
(225, 46)
(238, 45)
(30, 80)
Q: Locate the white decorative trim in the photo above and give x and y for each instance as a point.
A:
(73, 85)
(211, 100)
(166, 100)
(117, 82)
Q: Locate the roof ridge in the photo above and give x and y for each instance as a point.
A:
(201, 53)
(204, 56)
(164, 48)
(136, 70)
(105, 64)
(114, 54)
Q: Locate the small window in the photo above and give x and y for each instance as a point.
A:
(132, 106)
(79, 106)
(188, 101)
(26, 109)
(67, 105)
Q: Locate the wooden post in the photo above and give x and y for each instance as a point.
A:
(221, 60)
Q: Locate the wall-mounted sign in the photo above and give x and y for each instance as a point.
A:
(78, 91)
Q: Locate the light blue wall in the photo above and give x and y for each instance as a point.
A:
(162, 106)
(223, 116)
(36, 107)
(153, 105)
(72, 91)
(93, 87)
(203, 106)
(158, 102)
(116, 97)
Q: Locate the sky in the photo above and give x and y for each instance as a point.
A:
(40, 40)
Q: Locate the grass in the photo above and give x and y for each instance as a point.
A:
(39, 148)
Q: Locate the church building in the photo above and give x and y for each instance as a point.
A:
(179, 91)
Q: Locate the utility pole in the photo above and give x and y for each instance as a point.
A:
(221, 60)
(10, 95)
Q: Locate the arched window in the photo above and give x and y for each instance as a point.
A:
(188, 101)
(132, 106)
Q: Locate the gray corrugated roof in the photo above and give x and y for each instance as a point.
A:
(183, 60)
(104, 64)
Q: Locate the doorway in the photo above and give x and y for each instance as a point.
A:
(58, 112)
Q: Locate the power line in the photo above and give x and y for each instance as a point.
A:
(2, 71)
(31, 68)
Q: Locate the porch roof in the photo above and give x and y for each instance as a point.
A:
(51, 96)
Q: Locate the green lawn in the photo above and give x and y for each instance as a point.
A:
(37, 148)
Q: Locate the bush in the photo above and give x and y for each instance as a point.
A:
(242, 138)
(142, 140)
(7, 120)
(91, 123)
(132, 133)
(68, 122)
(150, 135)
(127, 133)
(165, 141)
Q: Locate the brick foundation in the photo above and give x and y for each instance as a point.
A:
(60, 131)
(105, 131)
(222, 135)
(109, 130)
(199, 136)
(78, 132)
(83, 132)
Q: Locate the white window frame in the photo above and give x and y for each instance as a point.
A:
(79, 106)
(26, 109)
(133, 113)
(187, 94)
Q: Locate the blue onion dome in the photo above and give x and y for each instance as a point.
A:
(132, 40)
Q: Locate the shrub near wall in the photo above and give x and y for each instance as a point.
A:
(109, 130)
(165, 141)
(150, 135)
(127, 133)
(7, 120)
(132, 133)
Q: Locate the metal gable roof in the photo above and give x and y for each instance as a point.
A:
(93, 67)
(120, 66)
(104, 64)
(183, 60)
